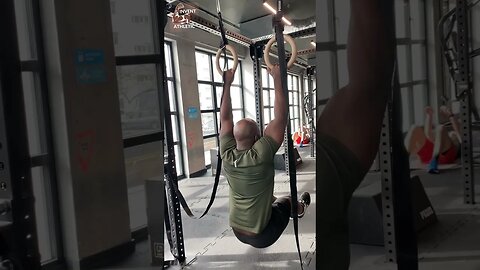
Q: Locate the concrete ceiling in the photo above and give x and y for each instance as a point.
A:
(237, 12)
(251, 19)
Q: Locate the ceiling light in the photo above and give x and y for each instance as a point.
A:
(286, 21)
(313, 43)
(267, 5)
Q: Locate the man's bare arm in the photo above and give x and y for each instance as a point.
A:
(276, 128)
(354, 114)
(226, 116)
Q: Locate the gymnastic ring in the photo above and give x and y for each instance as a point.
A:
(290, 41)
(234, 55)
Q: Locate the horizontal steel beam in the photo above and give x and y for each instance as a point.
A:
(206, 25)
(297, 34)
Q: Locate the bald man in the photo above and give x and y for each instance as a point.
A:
(256, 216)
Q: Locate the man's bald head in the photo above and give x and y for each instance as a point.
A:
(246, 132)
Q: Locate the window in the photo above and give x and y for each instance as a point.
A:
(138, 59)
(294, 101)
(412, 62)
(310, 96)
(269, 99)
(40, 141)
(210, 88)
(138, 82)
(174, 114)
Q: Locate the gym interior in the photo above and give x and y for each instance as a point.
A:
(110, 113)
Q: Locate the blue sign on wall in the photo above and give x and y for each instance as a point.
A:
(90, 66)
(192, 112)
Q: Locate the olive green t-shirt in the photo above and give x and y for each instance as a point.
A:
(250, 174)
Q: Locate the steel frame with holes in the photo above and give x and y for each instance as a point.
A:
(463, 82)
(400, 240)
(256, 53)
(172, 207)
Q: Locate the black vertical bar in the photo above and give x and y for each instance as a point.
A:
(404, 222)
(311, 103)
(25, 246)
(175, 217)
(409, 60)
(398, 216)
(464, 85)
(283, 71)
(256, 54)
(292, 170)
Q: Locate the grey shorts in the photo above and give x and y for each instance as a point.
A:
(275, 227)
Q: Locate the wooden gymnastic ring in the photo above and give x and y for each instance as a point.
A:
(293, 57)
(232, 50)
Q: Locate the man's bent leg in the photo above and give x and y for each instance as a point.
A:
(339, 173)
(277, 224)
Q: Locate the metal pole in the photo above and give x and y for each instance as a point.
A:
(170, 174)
(386, 164)
(289, 145)
(311, 101)
(256, 53)
(398, 217)
(408, 50)
(464, 85)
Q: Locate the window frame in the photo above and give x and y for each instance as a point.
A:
(214, 86)
(268, 88)
(336, 48)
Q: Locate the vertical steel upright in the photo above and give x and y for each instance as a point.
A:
(397, 206)
(398, 218)
(311, 104)
(256, 53)
(173, 204)
(409, 72)
(463, 83)
(289, 150)
(15, 172)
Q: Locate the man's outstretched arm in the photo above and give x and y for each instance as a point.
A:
(276, 128)
(226, 116)
(354, 114)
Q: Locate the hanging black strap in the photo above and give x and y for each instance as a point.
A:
(224, 41)
(184, 204)
(173, 183)
(291, 157)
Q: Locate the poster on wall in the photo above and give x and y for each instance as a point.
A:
(90, 66)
